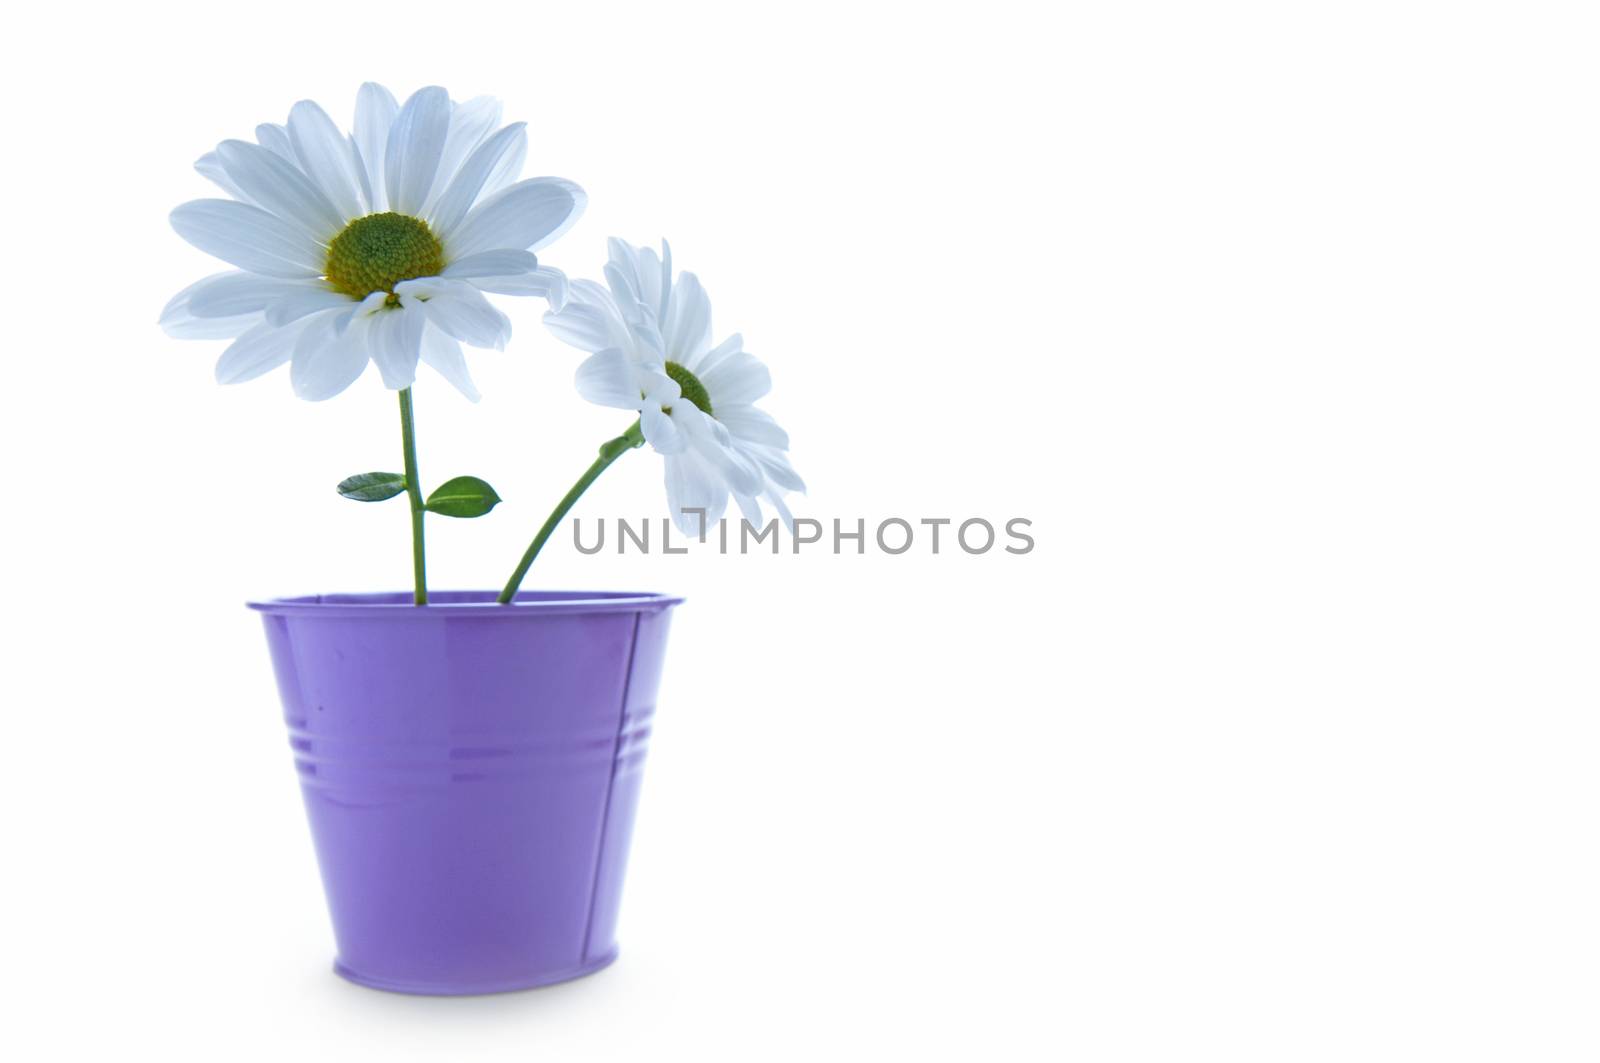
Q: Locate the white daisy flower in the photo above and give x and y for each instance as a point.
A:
(378, 245)
(650, 338)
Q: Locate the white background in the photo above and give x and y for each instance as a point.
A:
(1277, 320)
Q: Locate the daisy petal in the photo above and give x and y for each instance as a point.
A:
(248, 237)
(474, 174)
(637, 272)
(606, 378)
(660, 430)
(736, 380)
(459, 309)
(687, 331)
(411, 158)
(661, 390)
(230, 294)
(507, 170)
(470, 123)
(783, 510)
(444, 354)
(693, 484)
(261, 350)
(327, 157)
(375, 112)
(396, 339)
(624, 286)
(704, 363)
(275, 138)
(749, 509)
(210, 167)
(279, 187)
(497, 263)
(363, 182)
(179, 322)
(775, 464)
(528, 215)
(636, 325)
(326, 360)
(593, 293)
(739, 471)
(753, 425)
(585, 327)
(546, 281)
(302, 300)
(666, 273)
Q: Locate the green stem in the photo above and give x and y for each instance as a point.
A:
(610, 451)
(408, 438)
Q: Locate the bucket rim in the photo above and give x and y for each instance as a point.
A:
(399, 604)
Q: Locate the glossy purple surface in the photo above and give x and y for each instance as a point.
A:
(470, 773)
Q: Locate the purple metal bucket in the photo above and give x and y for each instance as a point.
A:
(470, 771)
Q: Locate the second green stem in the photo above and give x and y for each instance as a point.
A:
(610, 451)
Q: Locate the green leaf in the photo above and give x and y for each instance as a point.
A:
(372, 486)
(465, 496)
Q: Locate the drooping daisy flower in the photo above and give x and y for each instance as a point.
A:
(650, 338)
(377, 246)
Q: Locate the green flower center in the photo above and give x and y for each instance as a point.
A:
(691, 387)
(374, 253)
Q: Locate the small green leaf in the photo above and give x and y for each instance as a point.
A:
(372, 486)
(465, 496)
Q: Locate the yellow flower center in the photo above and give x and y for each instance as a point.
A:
(374, 253)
